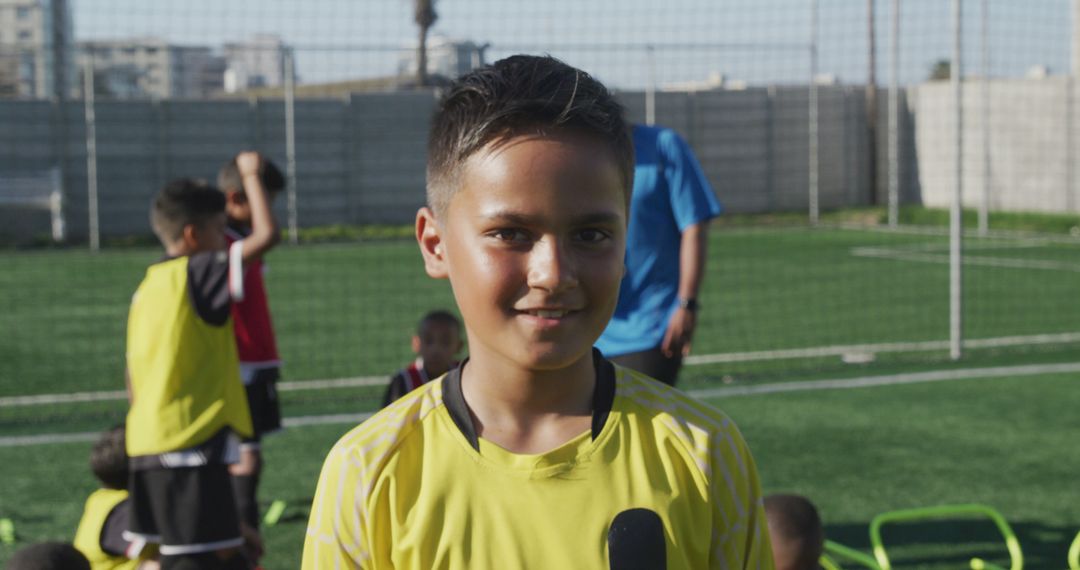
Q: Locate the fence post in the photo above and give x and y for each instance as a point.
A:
(162, 128)
(956, 213)
(984, 92)
(290, 143)
(650, 89)
(56, 206)
(91, 153)
(813, 115)
(894, 116)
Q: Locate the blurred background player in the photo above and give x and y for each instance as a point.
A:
(255, 342)
(798, 538)
(48, 556)
(187, 403)
(436, 343)
(670, 209)
(100, 536)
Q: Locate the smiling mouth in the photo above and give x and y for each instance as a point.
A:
(547, 313)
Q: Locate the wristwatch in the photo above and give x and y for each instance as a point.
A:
(688, 304)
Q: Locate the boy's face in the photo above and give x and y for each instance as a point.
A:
(437, 343)
(533, 244)
(239, 209)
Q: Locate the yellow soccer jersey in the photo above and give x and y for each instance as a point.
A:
(181, 357)
(414, 488)
(100, 530)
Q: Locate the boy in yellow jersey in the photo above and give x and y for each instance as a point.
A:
(187, 402)
(100, 536)
(536, 452)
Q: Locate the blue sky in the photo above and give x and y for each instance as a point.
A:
(761, 41)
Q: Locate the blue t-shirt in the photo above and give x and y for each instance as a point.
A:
(670, 194)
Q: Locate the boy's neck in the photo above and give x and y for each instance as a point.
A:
(178, 249)
(528, 411)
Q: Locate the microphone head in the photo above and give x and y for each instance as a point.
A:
(636, 541)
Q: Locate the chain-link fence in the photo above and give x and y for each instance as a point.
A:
(830, 131)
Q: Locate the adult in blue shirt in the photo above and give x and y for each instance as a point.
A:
(670, 210)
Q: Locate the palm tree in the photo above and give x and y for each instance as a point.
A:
(424, 15)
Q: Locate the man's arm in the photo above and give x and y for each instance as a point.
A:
(264, 230)
(692, 250)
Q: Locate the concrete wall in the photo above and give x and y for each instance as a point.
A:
(361, 160)
(1032, 148)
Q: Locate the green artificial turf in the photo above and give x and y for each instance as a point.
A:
(346, 310)
(1006, 442)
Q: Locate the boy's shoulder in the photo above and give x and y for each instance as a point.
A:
(649, 400)
(388, 429)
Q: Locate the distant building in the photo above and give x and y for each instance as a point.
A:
(258, 62)
(447, 58)
(35, 54)
(152, 67)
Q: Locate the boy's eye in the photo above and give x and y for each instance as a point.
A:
(592, 235)
(510, 235)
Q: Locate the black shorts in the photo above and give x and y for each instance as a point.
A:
(185, 510)
(652, 363)
(263, 403)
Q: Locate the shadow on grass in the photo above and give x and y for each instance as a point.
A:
(952, 543)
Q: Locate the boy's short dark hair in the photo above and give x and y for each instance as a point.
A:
(229, 180)
(439, 317)
(520, 95)
(48, 556)
(184, 202)
(109, 459)
(794, 522)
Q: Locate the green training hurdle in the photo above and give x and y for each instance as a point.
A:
(946, 511)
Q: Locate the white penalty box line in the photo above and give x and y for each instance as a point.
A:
(938, 253)
(720, 392)
(114, 395)
(696, 360)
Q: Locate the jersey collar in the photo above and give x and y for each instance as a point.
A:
(603, 398)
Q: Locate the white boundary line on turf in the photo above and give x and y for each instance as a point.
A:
(726, 391)
(842, 349)
(889, 380)
(921, 255)
(943, 231)
(49, 438)
(108, 396)
(694, 360)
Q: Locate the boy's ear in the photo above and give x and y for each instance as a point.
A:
(415, 344)
(190, 236)
(429, 237)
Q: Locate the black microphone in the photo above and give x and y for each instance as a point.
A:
(636, 541)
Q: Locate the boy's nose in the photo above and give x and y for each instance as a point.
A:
(551, 268)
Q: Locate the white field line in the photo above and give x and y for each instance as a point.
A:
(726, 391)
(842, 349)
(944, 232)
(942, 258)
(695, 360)
(81, 397)
(300, 421)
(889, 380)
(937, 253)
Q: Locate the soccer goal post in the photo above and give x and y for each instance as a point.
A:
(36, 191)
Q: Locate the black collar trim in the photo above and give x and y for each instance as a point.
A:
(603, 399)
